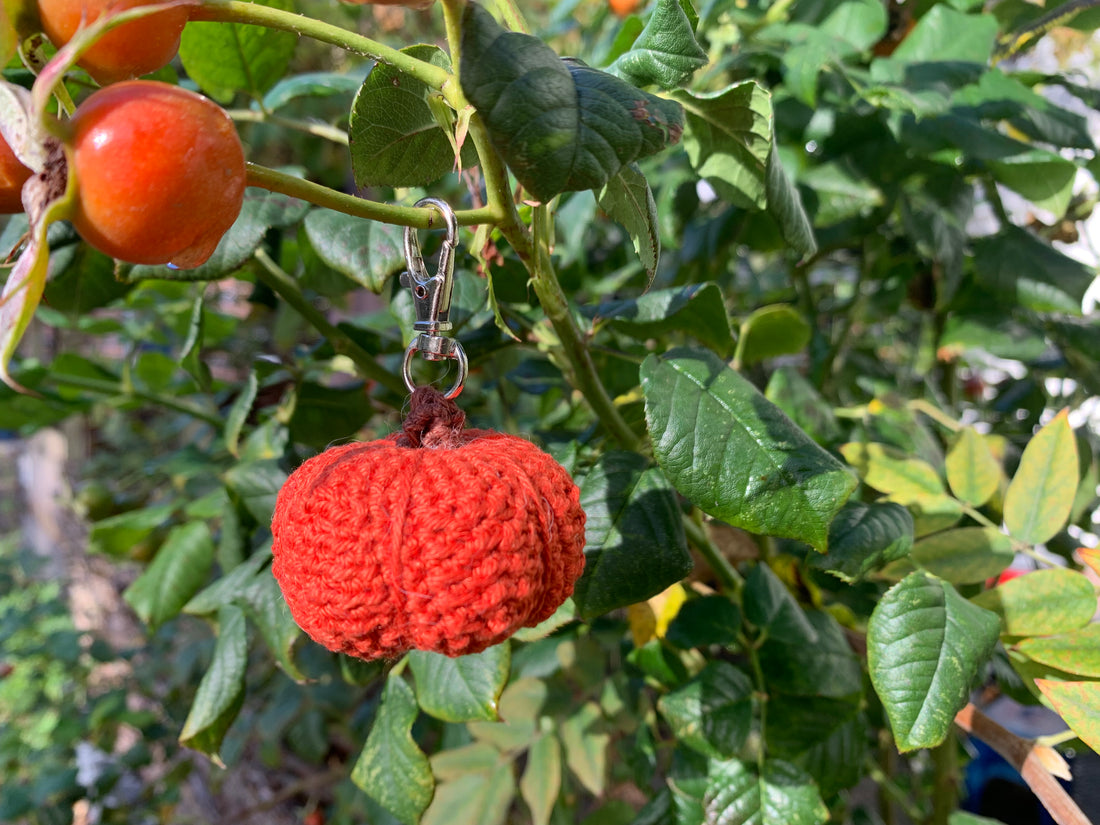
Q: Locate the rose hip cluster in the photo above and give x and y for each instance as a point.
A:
(159, 170)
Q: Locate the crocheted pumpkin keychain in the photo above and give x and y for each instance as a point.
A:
(433, 538)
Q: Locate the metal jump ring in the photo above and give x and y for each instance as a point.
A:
(458, 354)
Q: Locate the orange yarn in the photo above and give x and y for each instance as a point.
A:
(434, 538)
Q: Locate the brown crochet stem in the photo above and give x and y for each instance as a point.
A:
(433, 421)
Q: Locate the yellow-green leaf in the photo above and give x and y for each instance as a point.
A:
(1042, 603)
(890, 471)
(967, 555)
(1078, 703)
(1075, 652)
(1040, 497)
(542, 778)
(972, 471)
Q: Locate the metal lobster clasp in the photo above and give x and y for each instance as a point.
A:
(432, 300)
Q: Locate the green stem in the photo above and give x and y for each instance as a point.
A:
(725, 572)
(761, 701)
(511, 15)
(237, 11)
(574, 345)
(1017, 545)
(893, 791)
(322, 130)
(935, 413)
(315, 193)
(286, 288)
(945, 780)
(103, 387)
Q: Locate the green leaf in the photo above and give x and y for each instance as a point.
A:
(972, 471)
(785, 205)
(395, 140)
(820, 663)
(770, 606)
(727, 137)
(586, 745)
(392, 770)
(190, 357)
(635, 545)
(713, 712)
(221, 691)
(181, 567)
(473, 799)
(666, 53)
(477, 757)
(224, 590)
(925, 646)
(263, 602)
(803, 404)
(238, 413)
(1075, 652)
(967, 555)
(311, 85)
(1040, 496)
(769, 332)
(780, 795)
(368, 252)
(559, 125)
(697, 309)
(541, 780)
(118, 535)
(627, 199)
(864, 537)
(825, 737)
(1020, 269)
(710, 620)
(930, 513)
(1078, 703)
(262, 211)
(944, 34)
(1042, 603)
(227, 58)
(257, 484)
(323, 414)
(464, 688)
(734, 454)
(1044, 178)
(891, 471)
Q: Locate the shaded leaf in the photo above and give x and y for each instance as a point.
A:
(181, 567)
(710, 620)
(864, 537)
(257, 484)
(697, 309)
(586, 744)
(627, 199)
(713, 712)
(785, 205)
(263, 602)
(967, 555)
(392, 770)
(560, 125)
(803, 404)
(464, 688)
(781, 795)
(1021, 269)
(771, 331)
(368, 252)
(635, 545)
(221, 691)
(821, 664)
(734, 454)
(238, 413)
(925, 645)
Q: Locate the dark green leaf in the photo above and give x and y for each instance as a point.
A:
(263, 601)
(261, 211)
(226, 58)
(323, 415)
(635, 537)
(221, 691)
(666, 53)
(727, 136)
(81, 279)
(698, 309)
(190, 357)
(821, 663)
(1018, 267)
(713, 712)
(710, 620)
(368, 252)
(180, 568)
(782, 795)
(464, 688)
(825, 737)
(118, 535)
(395, 140)
(223, 591)
(257, 483)
(789, 390)
(785, 205)
(311, 85)
(627, 199)
(769, 606)
(925, 645)
(560, 126)
(864, 537)
(392, 769)
(734, 454)
(238, 413)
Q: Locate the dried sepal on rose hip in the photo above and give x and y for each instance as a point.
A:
(434, 538)
(134, 48)
(160, 173)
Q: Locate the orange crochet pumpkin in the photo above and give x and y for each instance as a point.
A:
(434, 538)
